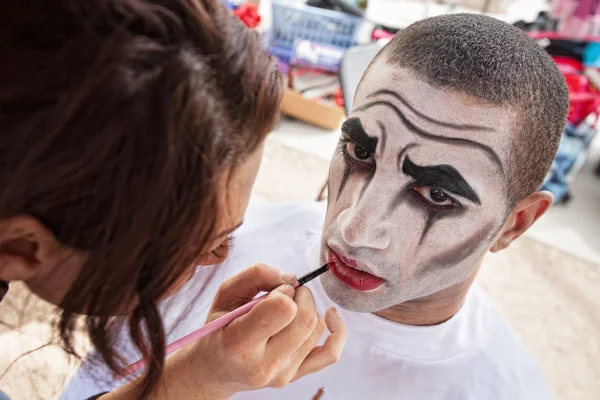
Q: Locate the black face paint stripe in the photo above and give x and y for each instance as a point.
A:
(442, 176)
(463, 250)
(383, 135)
(402, 152)
(428, 224)
(343, 183)
(368, 181)
(432, 214)
(353, 130)
(406, 104)
(451, 140)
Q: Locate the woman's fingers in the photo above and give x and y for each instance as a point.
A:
(286, 342)
(294, 362)
(331, 351)
(275, 341)
(267, 318)
(245, 285)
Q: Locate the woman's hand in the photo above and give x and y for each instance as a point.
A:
(272, 345)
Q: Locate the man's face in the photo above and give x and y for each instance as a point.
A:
(416, 191)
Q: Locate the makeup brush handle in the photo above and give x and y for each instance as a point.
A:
(215, 325)
(207, 329)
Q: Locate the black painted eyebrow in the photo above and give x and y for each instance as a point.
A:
(354, 131)
(443, 176)
(444, 139)
(460, 127)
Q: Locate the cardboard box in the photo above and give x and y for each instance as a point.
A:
(324, 116)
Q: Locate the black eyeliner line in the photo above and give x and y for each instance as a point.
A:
(425, 117)
(456, 141)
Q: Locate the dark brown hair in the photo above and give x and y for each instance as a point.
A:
(117, 120)
(496, 63)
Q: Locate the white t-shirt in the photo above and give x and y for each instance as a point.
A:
(474, 355)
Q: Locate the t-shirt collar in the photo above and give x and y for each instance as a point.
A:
(466, 331)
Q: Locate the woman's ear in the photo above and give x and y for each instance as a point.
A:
(523, 216)
(26, 246)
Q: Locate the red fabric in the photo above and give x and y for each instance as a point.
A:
(584, 97)
(248, 13)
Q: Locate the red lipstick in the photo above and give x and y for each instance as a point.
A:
(341, 268)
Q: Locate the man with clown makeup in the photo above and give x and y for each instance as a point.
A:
(454, 127)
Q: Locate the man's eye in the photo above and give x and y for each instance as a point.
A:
(357, 152)
(435, 196)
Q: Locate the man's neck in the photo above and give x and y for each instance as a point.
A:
(431, 310)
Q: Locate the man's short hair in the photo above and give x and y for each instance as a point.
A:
(497, 63)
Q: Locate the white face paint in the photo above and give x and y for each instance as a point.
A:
(417, 191)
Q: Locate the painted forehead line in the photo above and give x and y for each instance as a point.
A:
(459, 127)
(431, 136)
(443, 176)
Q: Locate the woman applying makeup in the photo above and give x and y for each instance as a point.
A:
(131, 135)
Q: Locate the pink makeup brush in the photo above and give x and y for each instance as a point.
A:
(215, 325)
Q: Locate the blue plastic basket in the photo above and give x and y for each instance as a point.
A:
(293, 21)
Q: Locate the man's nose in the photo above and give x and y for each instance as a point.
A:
(364, 228)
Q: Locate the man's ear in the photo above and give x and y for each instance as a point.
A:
(26, 246)
(525, 213)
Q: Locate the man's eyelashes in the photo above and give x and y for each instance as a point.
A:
(356, 154)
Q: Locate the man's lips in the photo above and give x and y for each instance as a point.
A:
(345, 271)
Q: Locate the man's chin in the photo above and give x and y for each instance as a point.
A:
(348, 298)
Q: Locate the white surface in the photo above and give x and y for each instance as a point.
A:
(473, 355)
